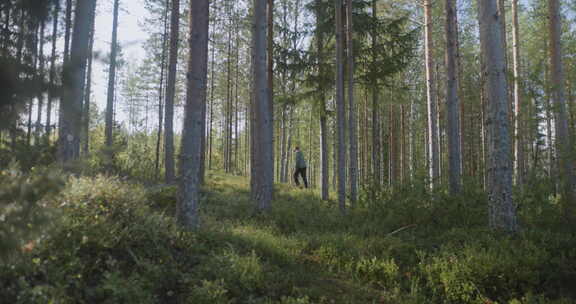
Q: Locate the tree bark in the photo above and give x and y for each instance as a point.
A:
(171, 93)
(264, 128)
(160, 93)
(433, 157)
(376, 161)
(502, 211)
(452, 101)
(87, 97)
(518, 134)
(74, 75)
(340, 108)
(52, 73)
(66, 56)
(353, 136)
(563, 140)
(191, 155)
(40, 75)
(112, 79)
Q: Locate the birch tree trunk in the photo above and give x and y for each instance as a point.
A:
(171, 93)
(73, 82)
(112, 79)
(502, 211)
(563, 140)
(340, 107)
(192, 133)
(452, 100)
(433, 157)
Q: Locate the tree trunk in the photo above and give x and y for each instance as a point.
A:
(283, 148)
(353, 136)
(40, 75)
(210, 138)
(52, 73)
(563, 139)
(87, 97)
(66, 56)
(502, 211)
(112, 79)
(519, 139)
(340, 107)
(375, 115)
(452, 101)
(160, 93)
(264, 128)
(73, 81)
(191, 155)
(433, 158)
(171, 93)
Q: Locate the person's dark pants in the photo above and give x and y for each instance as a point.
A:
(301, 172)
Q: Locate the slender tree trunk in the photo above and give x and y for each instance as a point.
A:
(412, 140)
(324, 157)
(87, 97)
(324, 154)
(353, 136)
(52, 73)
(66, 56)
(34, 53)
(74, 76)
(340, 107)
(264, 128)
(191, 155)
(210, 138)
(518, 134)
(375, 114)
(283, 150)
(40, 73)
(161, 94)
(452, 101)
(434, 161)
(171, 93)
(236, 104)
(563, 139)
(112, 78)
(502, 211)
(227, 107)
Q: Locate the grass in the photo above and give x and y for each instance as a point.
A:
(117, 242)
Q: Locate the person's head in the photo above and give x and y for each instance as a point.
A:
(296, 149)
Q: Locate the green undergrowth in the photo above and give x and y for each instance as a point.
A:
(117, 242)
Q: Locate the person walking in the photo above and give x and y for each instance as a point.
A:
(300, 167)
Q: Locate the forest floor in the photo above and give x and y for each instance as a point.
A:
(114, 241)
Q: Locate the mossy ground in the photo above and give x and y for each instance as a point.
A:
(117, 242)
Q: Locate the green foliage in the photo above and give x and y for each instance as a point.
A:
(22, 212)
(117, 242)
(42, 154)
